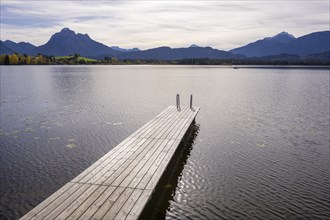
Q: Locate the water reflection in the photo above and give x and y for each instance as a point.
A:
(165, 190)
(72, 86)
(263, 152)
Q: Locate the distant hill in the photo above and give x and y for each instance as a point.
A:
(167, 53)
(282, 56)
(67, 42)
(21, 47)
(284, 43)
(281, 46)
(124, 50)
(4, 49)
(265, 47)
(317, 42)
(194, 45)
(319, 56)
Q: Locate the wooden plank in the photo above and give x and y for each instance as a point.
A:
(133, 164)
(161, 168)
(105, 165)
(141, 165)
(188, 123)
(115, 208)
(89, 212)
(173, 127)
(96, 164)
(97, 172)
(156, 121)
(133, 157)
(164, 121)
(129, 173)
(148, 175)
(78, 202)
(46, 210)
(88, 202)
(117, 173)
(187, 119)
(172, 124)
(161, 115)
(169, 134)
(109, 172)
(104, 208)
(139, 205)
(157, 168)
(132, 182)
(120, 183)
(133, 149)
(175, 134)
(125, 210)
(46, 202)
(63, 204)
(127, 142)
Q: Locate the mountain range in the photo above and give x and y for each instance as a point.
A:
(67, 42)
(167, 53)
(285, 43)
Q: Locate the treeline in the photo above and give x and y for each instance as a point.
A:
(23, 59)
(253, 61)
(115, 61)
(206, 61)
(76, 59)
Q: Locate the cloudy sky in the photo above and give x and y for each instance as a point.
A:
(147, 24)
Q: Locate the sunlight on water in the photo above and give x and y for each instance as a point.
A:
(261, 151)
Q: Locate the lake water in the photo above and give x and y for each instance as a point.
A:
(260, 148)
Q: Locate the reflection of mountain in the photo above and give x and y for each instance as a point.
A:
(164, 192)
(69, 85)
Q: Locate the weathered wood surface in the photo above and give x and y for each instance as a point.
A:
(119, 184)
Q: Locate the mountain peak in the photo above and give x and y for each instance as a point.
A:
(284, 34)
(21, 47)
(283, 37)
(68, 42)
(9, 42)
(66, 30)
(193, 46)
(285, 43)
(83, 36)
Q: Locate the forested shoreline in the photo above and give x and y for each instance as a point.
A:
(76, 59)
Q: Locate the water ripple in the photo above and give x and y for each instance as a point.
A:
(262, 150)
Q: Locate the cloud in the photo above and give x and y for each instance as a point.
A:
(146, 24)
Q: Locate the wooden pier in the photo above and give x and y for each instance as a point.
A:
(119, 185)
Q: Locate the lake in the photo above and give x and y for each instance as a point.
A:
(260, 148)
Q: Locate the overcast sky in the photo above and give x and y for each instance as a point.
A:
(147, 24)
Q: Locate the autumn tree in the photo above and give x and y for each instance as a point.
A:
(13, 59)
(7, 61)
(114, 60)
(2, 59)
